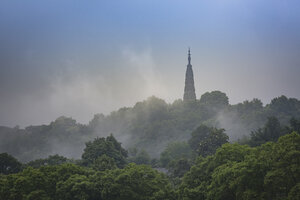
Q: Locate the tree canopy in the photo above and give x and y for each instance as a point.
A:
(270, 171)
(184, 140)
(150, 125)
(205, 140)
(9, 164)
(108, 146)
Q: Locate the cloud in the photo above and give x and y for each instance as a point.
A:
(143, 65)
(77, 89)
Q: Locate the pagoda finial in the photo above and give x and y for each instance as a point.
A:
(189, 56)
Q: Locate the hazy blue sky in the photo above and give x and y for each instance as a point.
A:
(77, 58)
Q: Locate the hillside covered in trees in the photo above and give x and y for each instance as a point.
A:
(206, 149)
(214, 169)
(148, 126)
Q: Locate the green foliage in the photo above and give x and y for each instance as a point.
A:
(205, 140)
(175, 151)
(51, 160)
(270, 171)
(103, 163)
(250, 114)
(37, 195)
(76, 187)
(140, 157)
(38, 183)
(177, 158)
(285, 171)
(222, 171)
(70, 182)
(63, 136)
(283, 104)
(295, 125)
(284, 108)
(104, 146)
(270, 132)
(9, 164)
(177, 168)
(135, 182)
(215, 99)
(148, 125)
(213, 102)
(294, 192)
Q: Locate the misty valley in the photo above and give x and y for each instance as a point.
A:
(189, 149)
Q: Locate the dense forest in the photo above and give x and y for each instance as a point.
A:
(203, 149)
(149, 125)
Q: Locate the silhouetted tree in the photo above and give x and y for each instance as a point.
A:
(270, 132)
(9, 164)
(104, 146)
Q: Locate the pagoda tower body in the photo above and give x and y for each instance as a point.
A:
(189, 89)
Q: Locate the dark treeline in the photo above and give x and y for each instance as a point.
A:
(149, 126)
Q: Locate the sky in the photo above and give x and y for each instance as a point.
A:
(78, 58)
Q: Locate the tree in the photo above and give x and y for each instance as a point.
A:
(179, 167)
(9, 164)
(239, 172)
(295, 125)
(283, 104)
(76, 187)
(198, 183)
(37, 195)
(284, 108)
(134, 182)
(294, 192)
(103, 163)
(140, 157)
(205, 140)
(43, 183)
(51, 160)
(175, 151)
(270, 132)
(104, 146)
(213, 102)
(214, 98)
(284, 173)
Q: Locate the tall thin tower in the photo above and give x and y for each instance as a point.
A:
(189, 89)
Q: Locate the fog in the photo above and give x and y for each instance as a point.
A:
(59, 58)
(80, 93)
(233, 126)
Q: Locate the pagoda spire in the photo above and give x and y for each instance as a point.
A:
(189, 56)
(189, 88)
